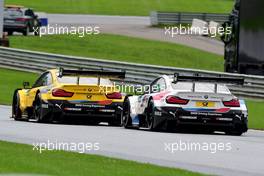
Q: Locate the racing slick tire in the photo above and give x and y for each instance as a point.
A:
(236, 132)
(150, 116)
(10, 33)
(16, 111)
(126, 118)
(238, 129)
(38, 109)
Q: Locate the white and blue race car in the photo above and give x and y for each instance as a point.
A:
(184, 101)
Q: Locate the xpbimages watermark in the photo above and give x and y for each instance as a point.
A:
(80, 31)
(213, 32)
(132, 88)
(80, 147)
(183, 146)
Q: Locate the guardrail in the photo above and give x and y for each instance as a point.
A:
(185, 17)
(136, 73)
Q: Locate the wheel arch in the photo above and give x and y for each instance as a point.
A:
(37, 92)
(133, 104)
(146, 109)
(15, 93)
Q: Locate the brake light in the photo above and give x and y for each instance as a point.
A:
(21, 19)
(61, 93)
(115, 95)
(232, 103)
(176, 100)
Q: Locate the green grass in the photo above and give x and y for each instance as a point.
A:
(19, 158)
(121, 48)
(11, 80)
(256, 114)
(125, 7)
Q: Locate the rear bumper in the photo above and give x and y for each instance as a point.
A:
(61, 108)
(174, 117)
(16, 28)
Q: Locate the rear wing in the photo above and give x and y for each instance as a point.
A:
(208, 79)
(14, 6)
(92, 73)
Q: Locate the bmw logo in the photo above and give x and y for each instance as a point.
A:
(89, 96)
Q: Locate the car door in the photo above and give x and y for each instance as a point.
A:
(41, 85)
(155, 88)
(158, 91)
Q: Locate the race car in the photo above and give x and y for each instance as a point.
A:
(60, 93)
(20, 19)
(193, 102)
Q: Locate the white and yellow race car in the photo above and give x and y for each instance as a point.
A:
(60, 93)
(196, 102)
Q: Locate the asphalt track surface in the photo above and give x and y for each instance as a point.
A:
(246, 156)
(136, 27)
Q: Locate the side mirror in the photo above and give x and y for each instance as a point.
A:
(26, 85)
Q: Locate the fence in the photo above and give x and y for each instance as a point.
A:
(136, 73)
(168, 18)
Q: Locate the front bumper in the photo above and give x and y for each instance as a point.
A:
(175, 117)
(63, 108)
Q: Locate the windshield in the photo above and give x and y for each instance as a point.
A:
(200, 87)
(13, 13)
(84, 81)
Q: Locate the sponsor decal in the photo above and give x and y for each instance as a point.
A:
(206, 114)
(45, 106)
(224, 119)
(203, 110)
(73, 109)
(107, 110)
(188, 117)
(157, 113)
(89, 105)
(84, 103)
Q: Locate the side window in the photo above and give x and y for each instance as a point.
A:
(158, 86)
(44, 80)
(49, 79)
